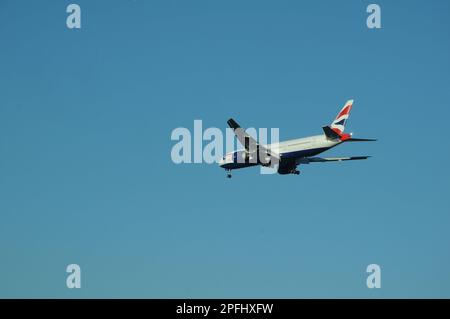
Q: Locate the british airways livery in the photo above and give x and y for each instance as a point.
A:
(288, 155)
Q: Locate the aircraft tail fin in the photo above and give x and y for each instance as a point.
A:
(338, 125)
(330, 133)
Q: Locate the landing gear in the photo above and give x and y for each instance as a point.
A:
(295, 172)
(228, 173)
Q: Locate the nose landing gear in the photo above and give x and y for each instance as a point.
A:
(228, 173)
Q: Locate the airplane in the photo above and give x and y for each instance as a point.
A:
(289, 154)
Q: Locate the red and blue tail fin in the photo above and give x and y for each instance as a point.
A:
(336, 130)
(338, 124)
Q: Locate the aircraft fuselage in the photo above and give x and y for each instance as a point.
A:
(291, 149)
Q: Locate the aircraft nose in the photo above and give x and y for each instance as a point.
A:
(226, 160)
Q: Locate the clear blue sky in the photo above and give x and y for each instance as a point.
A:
(85, 169)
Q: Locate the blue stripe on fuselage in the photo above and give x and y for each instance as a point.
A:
(237, 165)
(304, 153)
(296, 154)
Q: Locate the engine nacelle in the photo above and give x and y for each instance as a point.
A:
(252, 158)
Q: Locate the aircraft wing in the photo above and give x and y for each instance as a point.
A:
(308, 160)
(249, 143)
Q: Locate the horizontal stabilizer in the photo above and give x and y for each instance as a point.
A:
(360, 140)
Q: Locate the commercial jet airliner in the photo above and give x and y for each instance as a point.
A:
(288, 155)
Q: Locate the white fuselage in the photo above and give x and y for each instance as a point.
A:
(302, 147)
(291, 149)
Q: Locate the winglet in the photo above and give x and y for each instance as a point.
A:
(233, 124)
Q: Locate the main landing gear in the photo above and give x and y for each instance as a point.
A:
(296, 172)
(228, 173)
